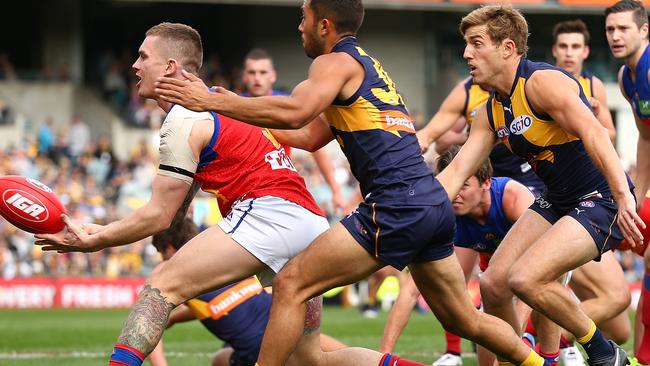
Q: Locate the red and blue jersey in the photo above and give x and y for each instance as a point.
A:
(638, 90)
(243, 161)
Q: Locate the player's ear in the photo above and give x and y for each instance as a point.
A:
(172, 67)
(325, 26)
(487, 184)
(509, 48)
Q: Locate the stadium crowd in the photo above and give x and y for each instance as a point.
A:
(97, 187)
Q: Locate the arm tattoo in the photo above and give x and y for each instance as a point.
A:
(145, 325)
(182, 211)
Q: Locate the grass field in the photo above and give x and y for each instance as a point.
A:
(85, 337)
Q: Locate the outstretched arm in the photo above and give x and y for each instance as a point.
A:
(327, 76)
(599, 105)
(324, 163)
(450, 110)
(310, 137)
(167, 197)
(477, 148)
(455, 136)
(567, 109)
(399, 315)
(642, 179)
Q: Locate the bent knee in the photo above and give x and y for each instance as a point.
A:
(285, 284)
(170, 287)
(494, 288)
(521, 285)
(619, 300)
(468, 328)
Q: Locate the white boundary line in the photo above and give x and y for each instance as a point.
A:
(80, 354)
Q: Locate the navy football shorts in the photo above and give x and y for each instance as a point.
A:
(399, 235)
(596, 213)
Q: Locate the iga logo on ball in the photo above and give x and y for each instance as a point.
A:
(30, 205)
(25, 205)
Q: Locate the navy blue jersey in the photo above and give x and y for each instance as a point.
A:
(586, 81)
(504, 163)
(558, 158)
(486, 237)
(638, 90)
(376, 134)
(237, 314)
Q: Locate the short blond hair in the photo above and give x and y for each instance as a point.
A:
(183, 43)
(502, 21)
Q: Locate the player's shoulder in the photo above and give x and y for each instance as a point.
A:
(181, 118)
(182, 123)
(177, 111)
(341, 61)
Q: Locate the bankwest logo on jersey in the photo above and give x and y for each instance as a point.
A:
(25, 205)
(228, 300)
(396, 121)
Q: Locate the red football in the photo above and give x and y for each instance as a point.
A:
(645, 216)
(30, 205)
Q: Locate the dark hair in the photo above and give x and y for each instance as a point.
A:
(176, 236)
(640, 14)
(184, 43)
(258, 54)
(502, 22)
(571, 26)
(347, 15)
(483, 174)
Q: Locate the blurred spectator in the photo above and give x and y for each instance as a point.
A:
(45, 137)
(7, 70)
(5, 113)
(149, 115)
(116, 89)
(78, 139)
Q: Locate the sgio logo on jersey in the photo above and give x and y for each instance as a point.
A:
(520, 124)
(25, 205)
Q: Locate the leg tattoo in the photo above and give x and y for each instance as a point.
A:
(313, 315)
(147, 321)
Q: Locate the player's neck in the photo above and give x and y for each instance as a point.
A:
(165, 106)
(577, 73)
(337, 39)
(633, 60)
(505, 80)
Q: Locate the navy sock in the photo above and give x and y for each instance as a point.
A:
(598, 347)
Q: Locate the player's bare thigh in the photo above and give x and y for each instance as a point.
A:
(519, 238)
(603, 278)
(333, 259)
(209, 261)
(564, 247)
(222, 357)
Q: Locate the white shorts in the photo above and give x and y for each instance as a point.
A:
(273, 229)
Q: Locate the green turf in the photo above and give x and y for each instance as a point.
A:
(49, 337)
